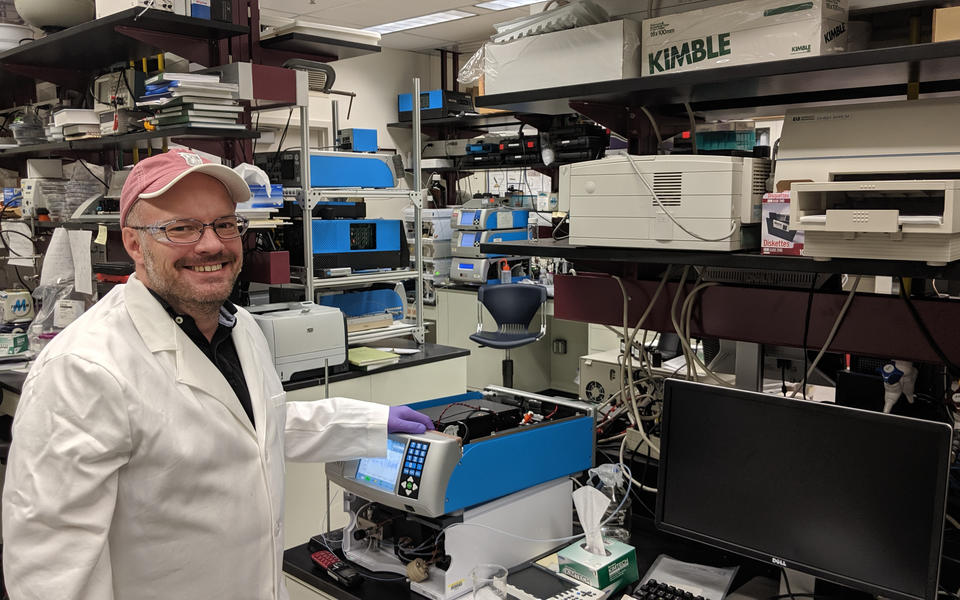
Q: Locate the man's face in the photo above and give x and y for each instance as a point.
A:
(199, 275)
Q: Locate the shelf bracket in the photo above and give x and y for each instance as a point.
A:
(194, 49)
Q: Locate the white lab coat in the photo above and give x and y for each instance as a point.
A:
(135, 473)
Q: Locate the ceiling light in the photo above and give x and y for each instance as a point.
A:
(505, 4)
(414, 22)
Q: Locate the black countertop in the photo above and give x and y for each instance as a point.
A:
(428, 353)
(12, 381)
(648, 542)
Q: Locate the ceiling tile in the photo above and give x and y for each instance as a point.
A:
(300, 7)
(367, 13)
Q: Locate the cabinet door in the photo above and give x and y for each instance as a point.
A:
(301, 591)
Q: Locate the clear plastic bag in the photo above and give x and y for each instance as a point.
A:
(472, 71)
(59, 305)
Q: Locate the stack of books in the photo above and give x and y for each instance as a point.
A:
(192, 99)
(371, 358)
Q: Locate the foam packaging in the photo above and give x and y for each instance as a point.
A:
(742, 33)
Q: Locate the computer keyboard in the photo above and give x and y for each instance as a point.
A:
(652, 589)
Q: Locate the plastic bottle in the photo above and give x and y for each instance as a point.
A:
(613, 483)
(506, 275)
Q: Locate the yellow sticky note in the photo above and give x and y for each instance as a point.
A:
(101, 236)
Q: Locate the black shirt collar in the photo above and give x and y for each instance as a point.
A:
(227, 319)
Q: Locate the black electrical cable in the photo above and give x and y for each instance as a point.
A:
(84, 165)
(786, 582)
(951, 367)
(283, 136)
(806, 333)
(10, 252)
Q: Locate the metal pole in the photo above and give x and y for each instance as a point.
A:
(335, 123)
(417, 206)
(305, 202)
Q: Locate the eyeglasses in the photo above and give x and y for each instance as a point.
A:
(189, 231)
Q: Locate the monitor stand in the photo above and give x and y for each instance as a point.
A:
(802, 583)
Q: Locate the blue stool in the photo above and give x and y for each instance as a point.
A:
(513, 306)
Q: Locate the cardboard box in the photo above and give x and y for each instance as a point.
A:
(742, 33)
(602, 52)
(616, 570)
(946, 24)
(777, 236)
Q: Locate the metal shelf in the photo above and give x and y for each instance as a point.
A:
(399, 328)
(734, 260)
(315, 195)
(363, 279)
(464, 122)
(129, 140)
(874, 73)
(68, 57)
(303, 43)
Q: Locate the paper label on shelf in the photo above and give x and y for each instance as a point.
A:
(101, 236)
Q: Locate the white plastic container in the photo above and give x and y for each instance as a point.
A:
(12, 35)
(603, 52)
(742, 33)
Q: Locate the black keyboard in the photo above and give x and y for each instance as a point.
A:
(655, 590)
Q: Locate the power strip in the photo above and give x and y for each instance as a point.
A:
(635, 440)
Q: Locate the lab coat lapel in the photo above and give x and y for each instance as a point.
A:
(254, 376)
(194, 369)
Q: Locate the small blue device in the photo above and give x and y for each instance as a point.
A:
(352, 170)
(366, 302)
(434, 104)
(359, 140)
(489, 218)
(359, 244)
(467, 242)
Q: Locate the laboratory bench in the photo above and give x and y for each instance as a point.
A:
(306, 582)
(426, 354)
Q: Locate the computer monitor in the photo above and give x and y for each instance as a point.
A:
(847, 495)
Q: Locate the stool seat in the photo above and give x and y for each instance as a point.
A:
(504, 341)
(513, 306)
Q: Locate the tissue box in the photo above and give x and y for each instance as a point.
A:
(741, 33)
(616, 570)
(777, 237)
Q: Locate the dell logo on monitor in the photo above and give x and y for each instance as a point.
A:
(778, 561)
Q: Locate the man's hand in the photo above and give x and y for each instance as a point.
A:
(404, 419)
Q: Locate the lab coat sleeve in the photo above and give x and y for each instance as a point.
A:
(335, 429)
(71, 435)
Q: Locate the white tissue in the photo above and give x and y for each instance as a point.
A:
(253, 175)
(591, 504)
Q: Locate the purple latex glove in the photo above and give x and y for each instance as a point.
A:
(404, 419)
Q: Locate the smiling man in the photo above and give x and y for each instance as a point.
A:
(150, 438)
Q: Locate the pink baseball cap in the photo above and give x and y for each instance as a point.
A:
(154, 176)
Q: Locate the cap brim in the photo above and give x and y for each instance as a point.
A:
(237, 188)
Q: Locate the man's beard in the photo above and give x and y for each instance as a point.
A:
(179, 296)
